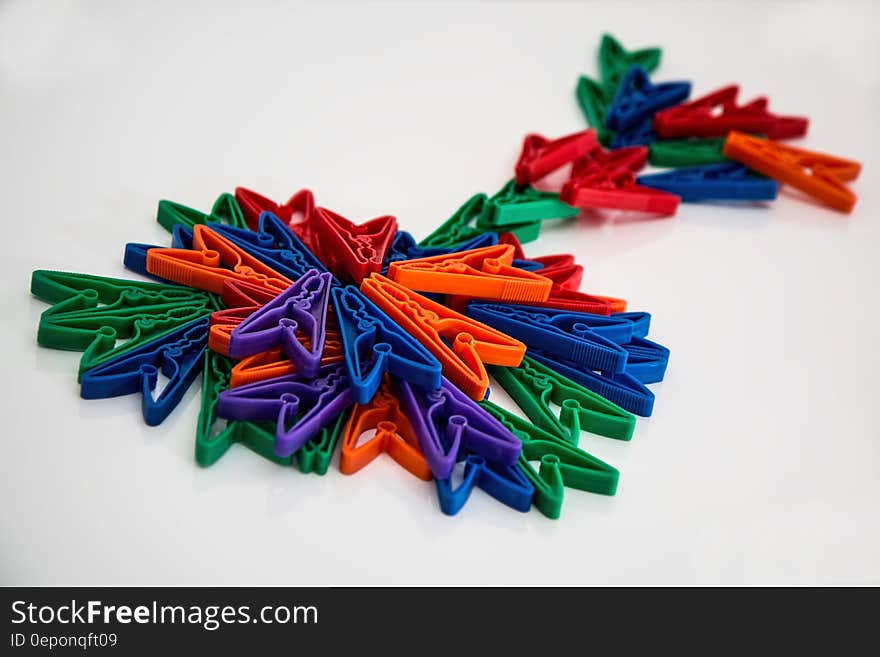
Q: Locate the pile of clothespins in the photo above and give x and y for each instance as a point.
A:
(311, 331)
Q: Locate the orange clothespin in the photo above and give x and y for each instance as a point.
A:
(485, 273)
(211, 262)
(273, 363)
(435, 326)
(818, 174)
(395, 436)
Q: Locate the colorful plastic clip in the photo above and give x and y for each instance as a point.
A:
(353, 251)
(375, 344)
(541, 156)
(462, 345)
(458, 227)
(534, 387)
(713, 182)
(819, 175)
(677, 153)
(177, 355)
(253, 205)
(717, 113)
(225, 211)
(638, 99)
(615, 61)
(300, 308)
(506, 483)
(394, 435)
(516, 207)
(562, 465)
(486, 273)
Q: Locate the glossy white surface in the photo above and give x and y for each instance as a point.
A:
(761, 462)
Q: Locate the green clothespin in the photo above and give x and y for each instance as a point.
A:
(562, 465)
(90, 313)
(615, 61)
(676, 153)
(225, 210)
(259, 437)
(514, 206)
(594, 102)
(534, 387)
(458, 227)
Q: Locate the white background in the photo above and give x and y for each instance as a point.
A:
(760, 464)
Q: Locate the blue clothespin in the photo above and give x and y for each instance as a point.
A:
(646, 360)
(506, 483)
(640, 134)
(727, 181)
(177, 354)
(182, 236)
(135, 259)
(580, 337)
(301, 308)
(450, 424)
(274, 244)
(374, 344)
(301, 406)
(622, 388)
(641, 324)
(637, 99)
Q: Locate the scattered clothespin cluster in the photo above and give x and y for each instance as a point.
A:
(311, 331)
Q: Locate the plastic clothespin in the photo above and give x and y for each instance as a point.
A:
(274, 244)
(375, 344)
(458, 227)
(534, 387)
(404, 247)
(394, 434)
(177, 355)
(717, 113)
(817, 174)
(640, 134)
(646, 360)
(621, 388)
(519, 206)
(678, 153)
(436, 327)
(713, 182)
(594, 101)
(91, 313)
(240, 294)
(561, 464)
(213, 260)
(301, 406)
(353, 251)
(615, 61)
(562, 270)
(253, 205)
(606, 179)
(486, 273)
(225, 211)
(638, 99)
(274, 362)
(560, 333)
(541, 156)
(506, 483)
(300, 308)
(449, 424)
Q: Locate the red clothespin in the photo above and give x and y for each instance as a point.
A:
(607, 180)
(818, 174)
(296, 211)
(437, 327)
(352, 251)
(541, 156)
(562, 270)
(717, 113)
(484, 273)
(236, 294)
(513, 240)
(560, 299)
(211, 262)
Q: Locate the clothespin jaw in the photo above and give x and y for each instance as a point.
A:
(486, 273)
(300, 406)
(274, 362)
(213, 260)
(560, 333)
(517, 207)
(646, 361)
(297, 210)
(448, 424)
(353, 251)
(300, 308)
(615, 61)
(395, 435)
(541, 156)
(535, 386)
(176, 354)
(641, 134)
(713, 182)
(437, 327)
(506, 483)
(225, 211)
(458, 227)
(817, 174)
(562, 270)
(717, 113)
(638, 99)
(594, 100)
(562, 465)
(375, 343)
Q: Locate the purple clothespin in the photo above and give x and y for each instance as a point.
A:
(302, 406)
(447, 421)
(301, 307)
